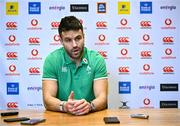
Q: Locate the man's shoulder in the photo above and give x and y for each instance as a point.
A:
(56, 53)
(55, 56)
(94, 56)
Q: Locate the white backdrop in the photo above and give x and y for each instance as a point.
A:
(141, 49)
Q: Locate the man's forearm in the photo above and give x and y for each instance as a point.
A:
(100, 103)
(52, 103)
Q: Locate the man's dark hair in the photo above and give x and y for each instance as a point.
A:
(69, 23)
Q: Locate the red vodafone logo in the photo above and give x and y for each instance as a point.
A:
(147, 101)
(123, 22)
(57, 38)
(34, 52)
(146, 67)
(12, 68)
(12, 38)
(124, 51)
(168, 21)
(34, 22)
(102, 37)
(146, 37)
(168, 51)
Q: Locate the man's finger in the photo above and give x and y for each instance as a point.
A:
(71, 96)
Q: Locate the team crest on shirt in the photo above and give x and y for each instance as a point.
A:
(64, 69)
(85, 60)
(88, 69)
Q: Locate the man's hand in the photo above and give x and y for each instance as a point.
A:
(81, 107)
(76, 107)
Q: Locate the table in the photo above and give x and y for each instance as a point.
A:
(157, 117)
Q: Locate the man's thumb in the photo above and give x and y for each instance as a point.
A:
(71, 96)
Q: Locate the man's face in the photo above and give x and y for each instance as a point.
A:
(73, 42)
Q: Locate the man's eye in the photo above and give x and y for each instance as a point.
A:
(78, 38)
(67, 40)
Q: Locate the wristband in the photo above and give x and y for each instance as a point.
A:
(61, 106)
(93, 107)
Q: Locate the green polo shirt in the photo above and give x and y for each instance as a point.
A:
(58, 66)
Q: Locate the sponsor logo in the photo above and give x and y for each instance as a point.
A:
(12, 71)
(123, 40)
(168, 54)
(146, 40)
(11, 8)
(56, 40)
(103, 54)
(168, 104)
(79, 7)
(169, 87)
(12, 41)
(168, 24)
(124, 24)
(55, 25)
(35, 55)
(124, 105)
(101, 25)
(147, 87)
(168, 70)
(146, 55)
(11, 26)
(34, 89)
(145, 7)
(34, 25)
(34, 71)
(12, 88)
(11, 56)
(34, 8)
(146, 70)
(168, 40)
(34, 41)
(145, 24)
(35, 105)
(124, 54)
(147, 103)
(124, 87)
(167, 7)
(12, 105)
(59, 8)
(123, 7)
(101, 39)
(101, 8)
(124, 70)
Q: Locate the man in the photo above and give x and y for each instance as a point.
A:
(74, 78)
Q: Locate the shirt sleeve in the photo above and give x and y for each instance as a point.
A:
(49, 71)
(100, 67)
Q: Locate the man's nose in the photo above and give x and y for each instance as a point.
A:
(74, 43)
